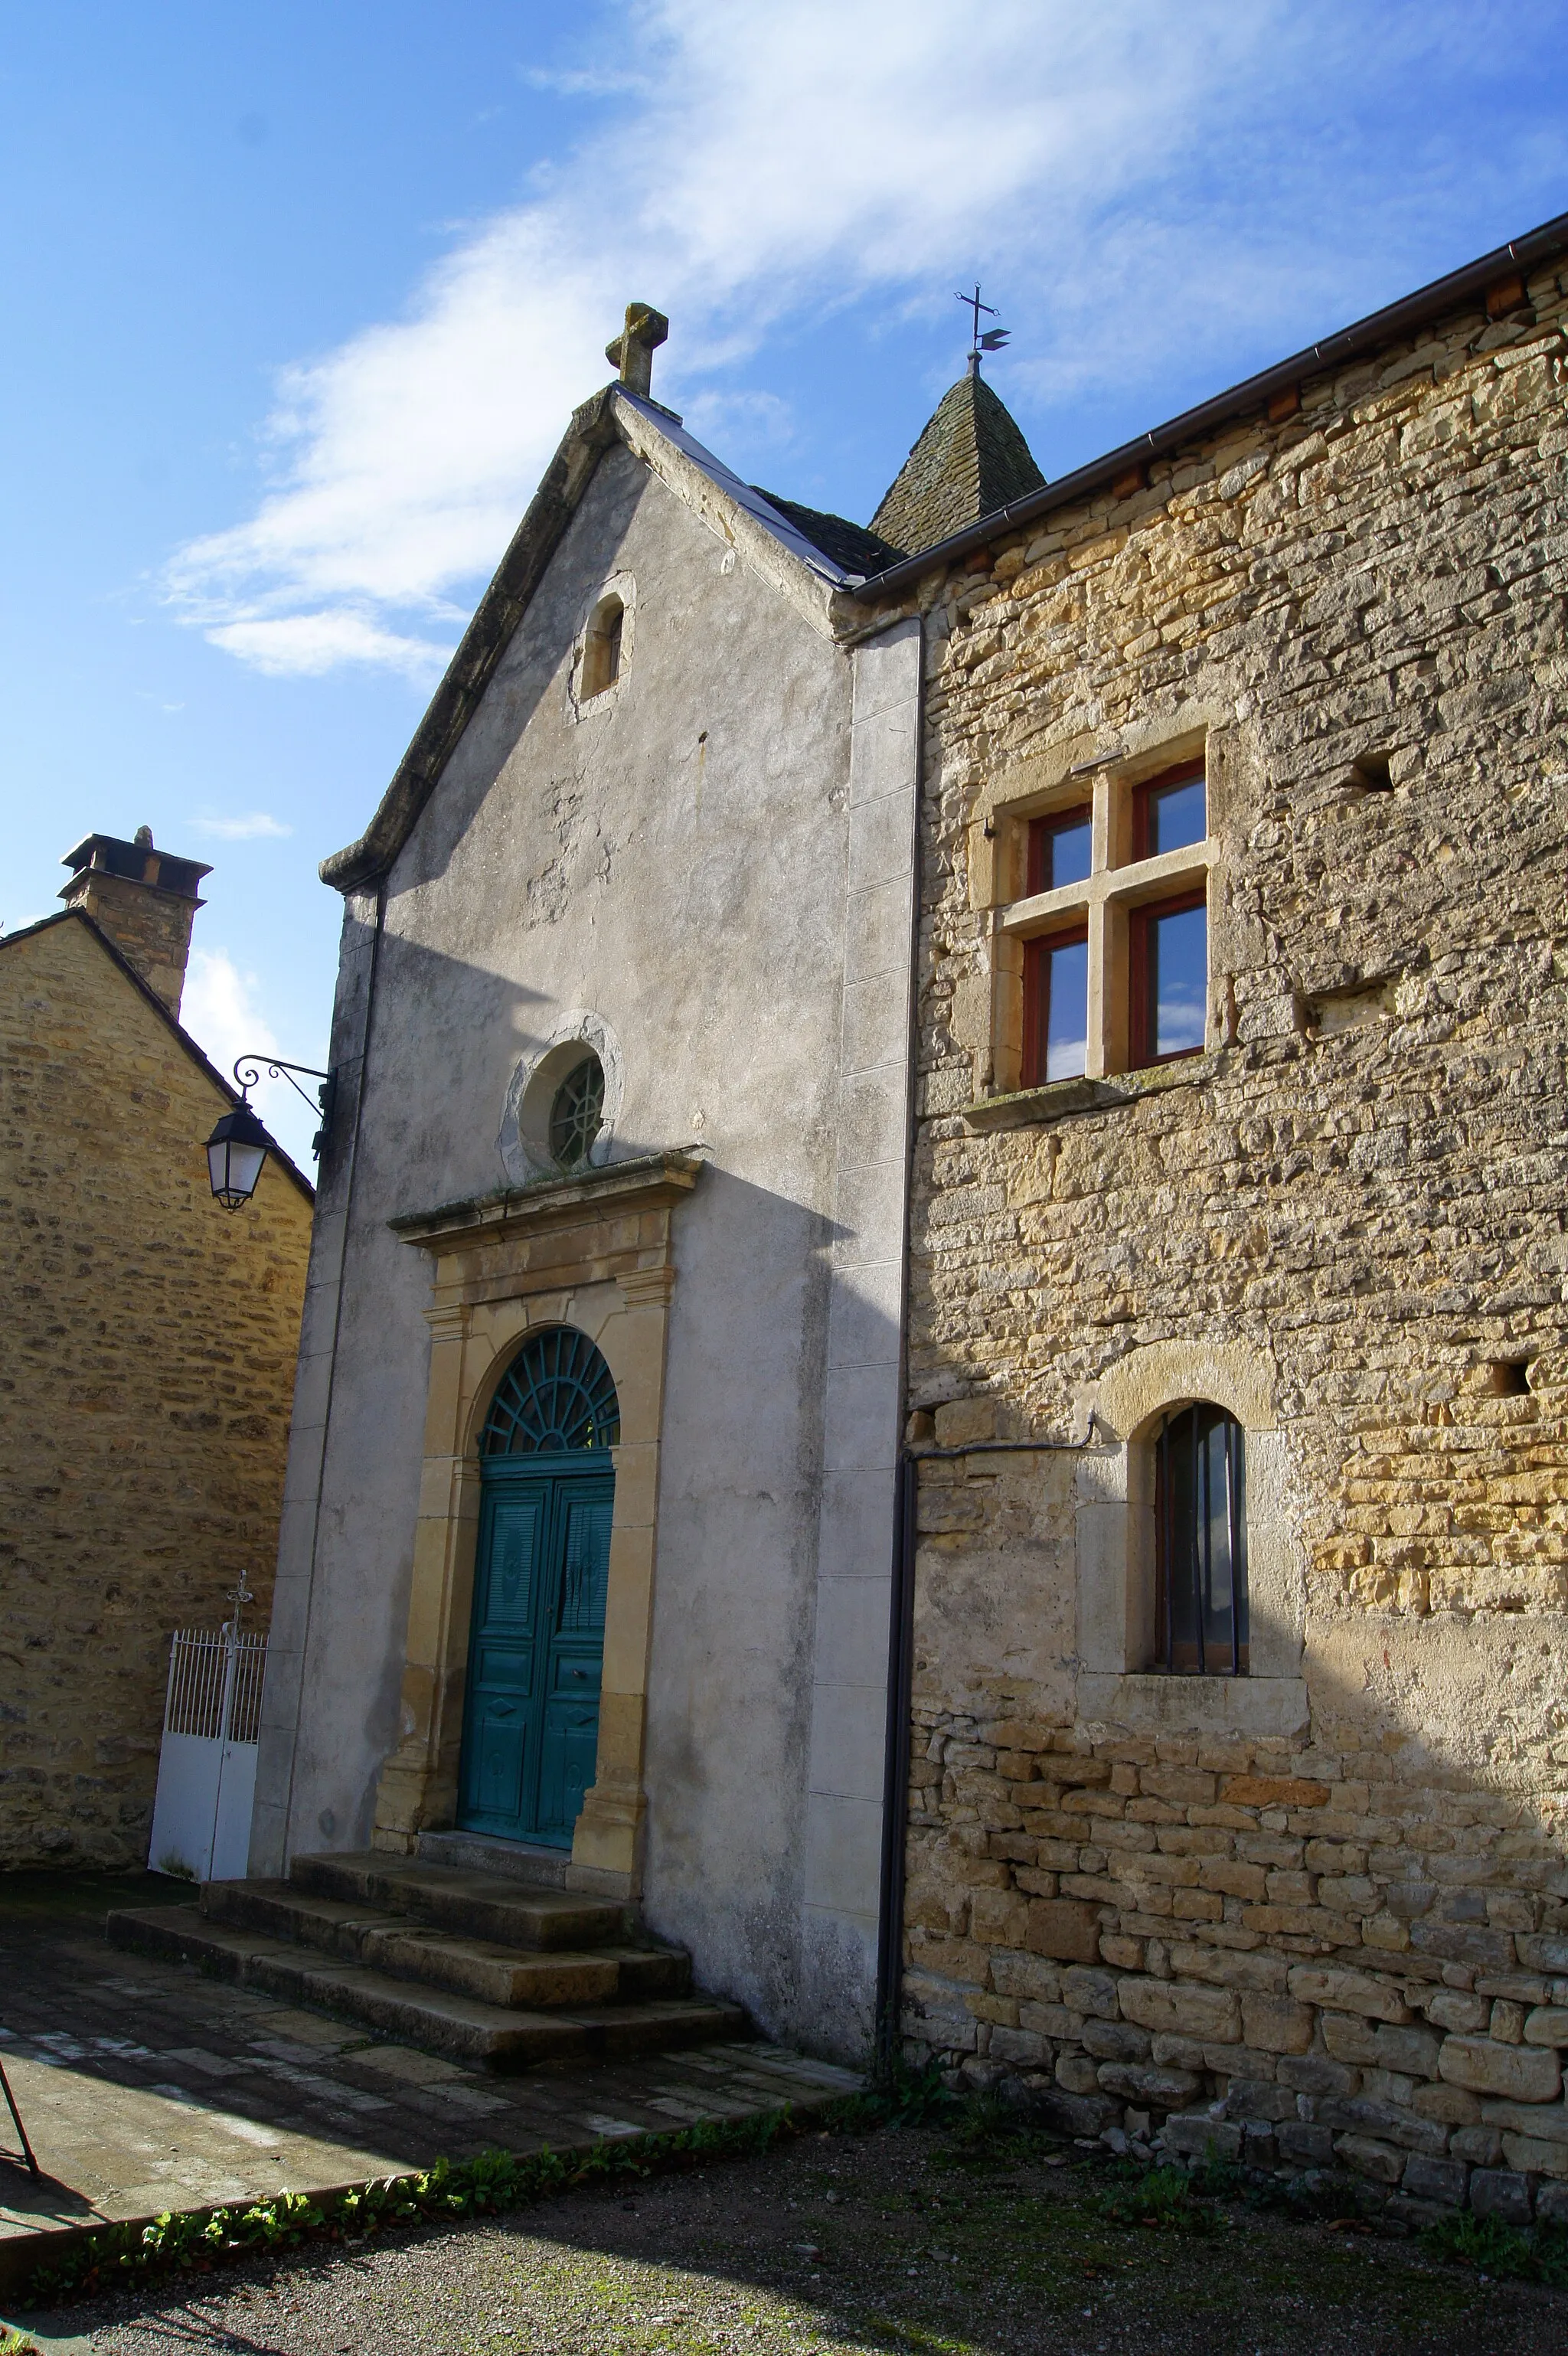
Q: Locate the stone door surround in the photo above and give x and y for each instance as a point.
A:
(591, 1250)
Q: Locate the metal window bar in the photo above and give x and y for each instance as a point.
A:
(1230, 1548)
(1202, 1569)
(1189, 1556)
(1166, 1544)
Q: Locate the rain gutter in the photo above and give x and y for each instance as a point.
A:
(1379, 328)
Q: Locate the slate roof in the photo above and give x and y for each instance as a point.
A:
(849, 545)
(776, 516)
(971, 459)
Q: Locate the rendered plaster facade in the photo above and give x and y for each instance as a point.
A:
(1329, 1897)
(707, 873)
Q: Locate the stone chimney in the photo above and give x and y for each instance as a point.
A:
(142, 899)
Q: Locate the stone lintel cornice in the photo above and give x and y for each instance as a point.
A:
(652, 1182)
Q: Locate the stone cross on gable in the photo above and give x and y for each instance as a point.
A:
(633, 349)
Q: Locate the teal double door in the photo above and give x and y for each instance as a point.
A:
(530, 1721)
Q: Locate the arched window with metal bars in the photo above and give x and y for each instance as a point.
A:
(1200, 1542)
(558, 1393)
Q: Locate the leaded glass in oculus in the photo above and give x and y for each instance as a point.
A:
(1200, 1533)
(577, 1116)
(557, 1394)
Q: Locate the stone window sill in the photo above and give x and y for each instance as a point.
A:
(1252, 1704)
(1060, 1100)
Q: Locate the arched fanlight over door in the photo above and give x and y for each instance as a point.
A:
(557, 1394)
(1201, 1536)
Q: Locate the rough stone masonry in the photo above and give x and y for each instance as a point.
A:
(145, 1379)
(1319, 1917)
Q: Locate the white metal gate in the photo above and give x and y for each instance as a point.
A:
(207, 1766)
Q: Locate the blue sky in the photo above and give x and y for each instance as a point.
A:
(299, 299)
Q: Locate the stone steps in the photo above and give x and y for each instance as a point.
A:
(483, 1905)
(484, 2035)
(491, 1968)
(406, 1947)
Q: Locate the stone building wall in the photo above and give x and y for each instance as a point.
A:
(1318, 1915)
(146, 1369)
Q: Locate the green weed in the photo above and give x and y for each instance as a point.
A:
(493, 2182)
(901, 2097)
(1162, 2198)
(1501, 2251)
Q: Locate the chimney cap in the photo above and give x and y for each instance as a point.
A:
(112, 856)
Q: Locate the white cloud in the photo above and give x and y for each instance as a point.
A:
(1137, 176)
(256, 825)
(219, 1010)
(306, 645)
(766, 421)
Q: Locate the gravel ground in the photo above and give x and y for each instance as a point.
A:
(893, 2241)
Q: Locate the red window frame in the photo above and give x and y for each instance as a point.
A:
(1036, 998)
(1184, 773)
(1140, 1013)
(1040, 830)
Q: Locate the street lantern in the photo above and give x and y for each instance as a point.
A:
(239, 1145)
(235, 1152)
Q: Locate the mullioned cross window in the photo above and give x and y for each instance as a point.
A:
(1103, 959)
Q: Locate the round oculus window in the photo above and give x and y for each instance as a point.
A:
(577, 1113)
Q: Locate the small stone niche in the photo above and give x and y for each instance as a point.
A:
(1506, 1377)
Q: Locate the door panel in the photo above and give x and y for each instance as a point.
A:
(586, 1564)
(536, 1654)
(571, 1742)
(500, 1742)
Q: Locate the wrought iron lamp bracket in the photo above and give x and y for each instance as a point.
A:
(248, 1070)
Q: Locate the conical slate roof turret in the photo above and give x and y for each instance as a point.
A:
(971, 459)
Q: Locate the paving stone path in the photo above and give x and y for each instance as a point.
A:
(147, 2086)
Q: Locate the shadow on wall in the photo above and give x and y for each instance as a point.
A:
(1332, 1902)
(730, 1682)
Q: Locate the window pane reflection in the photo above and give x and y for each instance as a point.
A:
(1067, 1020)
(1069, 855)
(1178, 980)
(1056, 1010)
(1176, 816)
(1059, 850)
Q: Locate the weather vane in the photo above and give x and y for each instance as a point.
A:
(993, 338)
